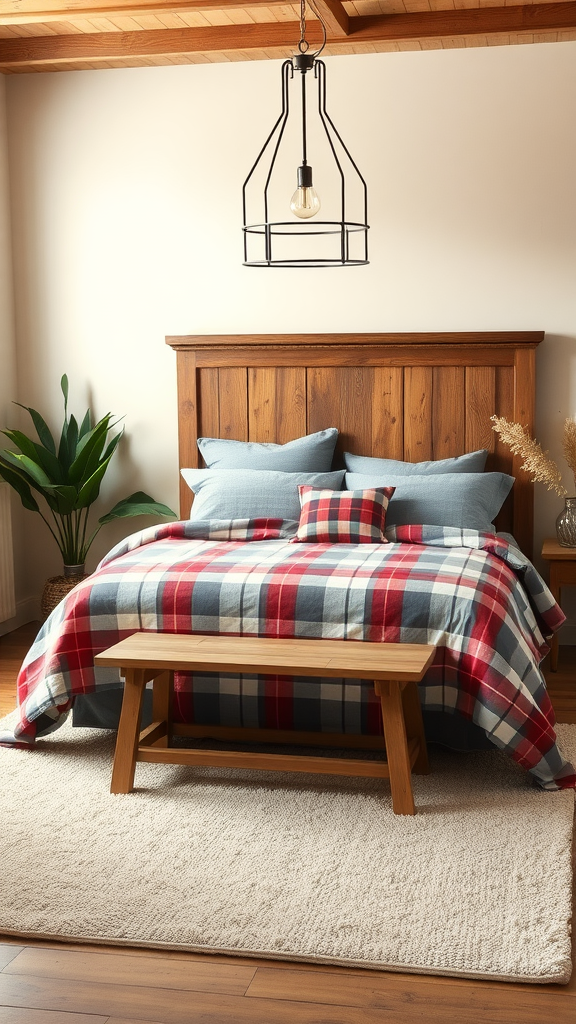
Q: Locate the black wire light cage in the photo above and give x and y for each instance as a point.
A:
(303, 242)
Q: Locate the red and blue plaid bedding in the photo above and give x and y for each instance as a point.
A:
(472, 595)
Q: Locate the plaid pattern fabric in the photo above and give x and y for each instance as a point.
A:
(474, 596)
(343, 517)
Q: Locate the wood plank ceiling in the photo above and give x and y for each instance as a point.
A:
(63, 35)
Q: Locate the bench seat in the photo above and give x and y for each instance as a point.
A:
(395, 669)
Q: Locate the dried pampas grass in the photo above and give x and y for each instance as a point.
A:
(536, 461)
(569, 445)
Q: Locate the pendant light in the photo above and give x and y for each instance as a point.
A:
(305, 240)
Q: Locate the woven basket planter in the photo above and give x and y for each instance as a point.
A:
(57, 587)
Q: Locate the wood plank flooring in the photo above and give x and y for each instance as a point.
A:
(13, 647)
(57, 983)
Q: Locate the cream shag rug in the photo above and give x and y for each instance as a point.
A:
(478, 883)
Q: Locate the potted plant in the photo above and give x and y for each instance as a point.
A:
(544, 470)
(67, 476)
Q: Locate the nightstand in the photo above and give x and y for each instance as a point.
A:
(562, 574)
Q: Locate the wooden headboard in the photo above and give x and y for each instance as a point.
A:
(399, 396)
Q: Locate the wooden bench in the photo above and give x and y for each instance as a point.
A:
(395, 669)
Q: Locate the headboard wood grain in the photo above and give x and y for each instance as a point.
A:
(401, 396)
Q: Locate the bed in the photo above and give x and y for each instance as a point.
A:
(411, 397)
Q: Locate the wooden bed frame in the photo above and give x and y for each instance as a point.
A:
(399, 396)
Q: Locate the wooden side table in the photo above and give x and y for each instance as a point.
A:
(562, 574)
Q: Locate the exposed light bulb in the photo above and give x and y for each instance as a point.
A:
(305, 202)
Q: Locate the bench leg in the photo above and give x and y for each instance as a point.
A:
(162, 693)
(128, 731)
(415, 726)
(396, 747)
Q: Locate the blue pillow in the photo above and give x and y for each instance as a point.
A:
(252, 493)
(310, 454)
(469, 501)
(473, 462)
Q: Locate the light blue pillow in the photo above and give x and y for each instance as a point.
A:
(469, 501)
(310, 454)
(473, 462)
(252, 493)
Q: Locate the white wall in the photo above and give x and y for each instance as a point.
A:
(126, 213)
(7, 338)
(7, 350)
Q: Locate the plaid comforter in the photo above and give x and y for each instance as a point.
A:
(472, 595)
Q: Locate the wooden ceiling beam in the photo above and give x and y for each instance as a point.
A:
(32, 50)
(334, 16)
(29, 51)
(42, 12)
(541, 18)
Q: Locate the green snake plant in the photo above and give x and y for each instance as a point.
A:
(68, 476)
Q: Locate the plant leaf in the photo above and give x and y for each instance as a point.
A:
(42, 428)
(91, 489)
(30, 469)
(89, 453)
(64, 496)
(68, 442)
(87, 437)
(19, 484)
(113, 444)
(64, 386)
(22, 441)
(86, 424)
(38, 453)
(72, 440)
(137, 504)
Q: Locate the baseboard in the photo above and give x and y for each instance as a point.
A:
(26, 611)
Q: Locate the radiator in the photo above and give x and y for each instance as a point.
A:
(7, 595)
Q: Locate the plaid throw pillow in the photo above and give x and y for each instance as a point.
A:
(343, 517)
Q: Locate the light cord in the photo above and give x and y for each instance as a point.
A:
(303, 44)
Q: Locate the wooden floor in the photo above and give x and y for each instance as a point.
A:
(55, 983)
